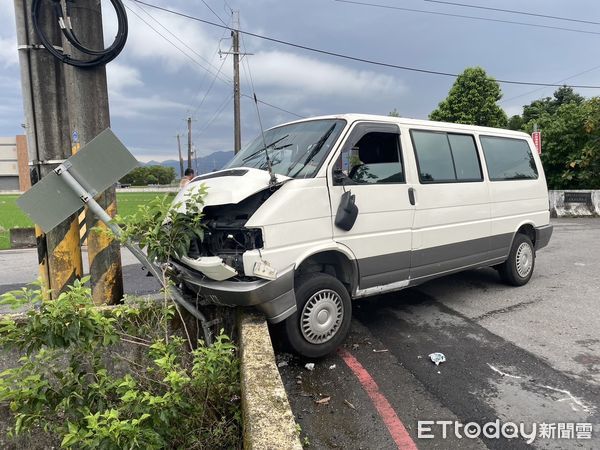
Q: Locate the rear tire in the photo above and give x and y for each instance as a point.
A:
(322, 320)
(518, 268)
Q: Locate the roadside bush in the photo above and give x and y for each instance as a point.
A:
(116, 378)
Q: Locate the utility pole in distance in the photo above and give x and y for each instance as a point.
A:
(42, 81)
(235, 47)
(189, 158)
(87, 99)
(180, 157)
(235, 34)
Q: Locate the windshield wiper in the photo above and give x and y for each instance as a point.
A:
(266, 147)
(313, 151)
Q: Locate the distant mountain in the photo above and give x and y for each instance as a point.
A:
(206, 164)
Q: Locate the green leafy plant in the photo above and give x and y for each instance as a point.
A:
(83, 379)
(121, 377)
(165, 229)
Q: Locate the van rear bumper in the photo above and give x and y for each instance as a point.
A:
(542, 236)
(276, 298)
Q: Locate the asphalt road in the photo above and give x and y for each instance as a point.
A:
(526, 355)
(19, 267)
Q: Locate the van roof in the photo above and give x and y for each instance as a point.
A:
(354, 117)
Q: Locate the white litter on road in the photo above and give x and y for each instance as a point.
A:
(310, 366)
(437, 358)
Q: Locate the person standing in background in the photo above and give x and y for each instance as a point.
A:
(188, 175)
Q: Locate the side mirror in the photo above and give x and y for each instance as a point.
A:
(347, 212)
(339, 176)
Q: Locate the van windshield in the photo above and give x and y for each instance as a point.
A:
(296, 150)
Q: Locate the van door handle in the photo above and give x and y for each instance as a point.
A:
(411, 196)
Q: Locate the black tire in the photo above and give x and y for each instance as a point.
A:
(518, 268)
(333, 297)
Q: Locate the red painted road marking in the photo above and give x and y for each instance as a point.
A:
(392, 422)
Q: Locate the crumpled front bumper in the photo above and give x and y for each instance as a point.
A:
(276, 298)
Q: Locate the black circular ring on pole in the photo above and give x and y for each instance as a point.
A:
(99, 57)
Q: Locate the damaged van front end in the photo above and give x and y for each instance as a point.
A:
(223, 267)
(261, 215)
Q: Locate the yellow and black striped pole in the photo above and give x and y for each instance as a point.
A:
(104, 254)
(43, 270)
(64, 255)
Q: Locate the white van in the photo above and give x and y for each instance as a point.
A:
(317, 212)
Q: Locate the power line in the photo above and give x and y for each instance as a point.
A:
(274, 107)
(463, 16)
(512, 11)
(210, 64)
(170, 42)
(250, 81)
(354, 58)
(210, 86)
(227, 7)
(218, 113)
(254, 97)
(215, 75)
(542, 88)
(217, 52)
(213, 11)
(207, 71)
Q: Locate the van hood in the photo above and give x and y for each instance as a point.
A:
(229, 186)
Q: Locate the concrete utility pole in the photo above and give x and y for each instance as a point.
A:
(189, 159)
(42, 79)
(235, 34)
(87, 100)
(180, 157)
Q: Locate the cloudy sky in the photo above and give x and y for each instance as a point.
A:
(154, 86)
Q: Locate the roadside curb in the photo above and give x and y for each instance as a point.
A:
(268, 419)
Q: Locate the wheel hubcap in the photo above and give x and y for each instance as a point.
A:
(321, 316)
(524, 259)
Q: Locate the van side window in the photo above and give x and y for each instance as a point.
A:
(375, 159)
(508, 158)
(446, 157)
(466, 159)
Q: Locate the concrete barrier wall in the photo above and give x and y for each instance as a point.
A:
(579, 203)
(269, 423)
(22, 238)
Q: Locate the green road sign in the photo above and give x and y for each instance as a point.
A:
(98, 165)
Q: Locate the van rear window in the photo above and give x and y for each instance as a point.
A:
(508, 158)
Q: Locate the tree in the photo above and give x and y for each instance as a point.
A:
(570, 127)
(141, 176)
(571, 144)
(549, 105)
(472, 101)
(136, 177)
(516, 123)
(163, 174)
(394, 113)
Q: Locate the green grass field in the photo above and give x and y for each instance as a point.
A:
(11, 215)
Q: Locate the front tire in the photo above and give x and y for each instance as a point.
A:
(322, 320)
(518, 268)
